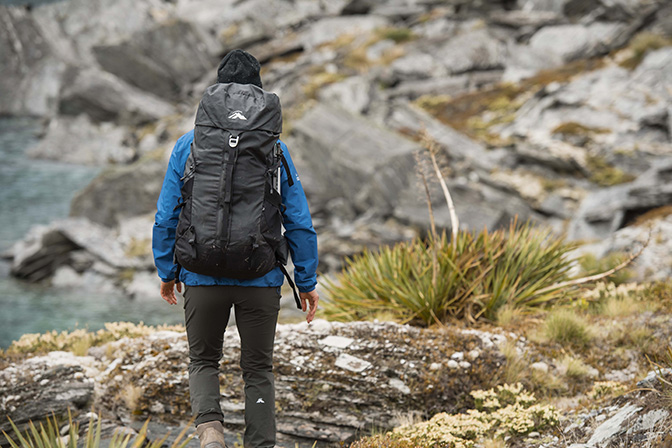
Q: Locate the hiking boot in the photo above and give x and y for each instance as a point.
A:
(211, 434)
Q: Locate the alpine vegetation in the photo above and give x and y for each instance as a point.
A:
(478, 274)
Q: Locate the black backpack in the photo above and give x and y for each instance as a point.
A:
(230, 224)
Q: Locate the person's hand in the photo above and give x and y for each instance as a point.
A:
(168, 291)
(311, 298)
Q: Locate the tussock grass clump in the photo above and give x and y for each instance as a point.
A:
(574, 368)
(472, 277)
(504, 411)
(567, 327)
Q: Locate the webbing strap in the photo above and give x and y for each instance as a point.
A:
(289, 174)
(230, 165)
(292, 285)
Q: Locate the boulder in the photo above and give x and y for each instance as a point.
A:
(104, 97)
(354, 158)
(44, 386)
(120, 192)
(471, 51)
(477, 206)
(30, 72)
(79, 140)
(655, 261)
(160, 60)
(569, 42)
(605, 211)
(353, 94)
(46, 248)
(409, 119)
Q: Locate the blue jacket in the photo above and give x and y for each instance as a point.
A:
(297, 222)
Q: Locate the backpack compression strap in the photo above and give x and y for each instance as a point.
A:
(292, 285)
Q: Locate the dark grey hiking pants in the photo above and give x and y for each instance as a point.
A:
(206, 313)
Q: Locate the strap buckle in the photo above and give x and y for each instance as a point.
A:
(233, 141)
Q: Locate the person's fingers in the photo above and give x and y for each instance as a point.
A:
(313, 310)
(179, 286)
(303, 303)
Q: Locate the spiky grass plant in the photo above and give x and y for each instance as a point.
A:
(49, 436)
(473, 276)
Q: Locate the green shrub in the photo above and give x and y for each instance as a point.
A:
(566, 327)
(476, 276)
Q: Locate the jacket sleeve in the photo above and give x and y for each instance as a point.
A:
(165, 220)
(299, 229)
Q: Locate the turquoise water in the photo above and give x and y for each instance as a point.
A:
(37, 192)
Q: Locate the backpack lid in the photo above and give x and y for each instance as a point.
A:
(239, 107)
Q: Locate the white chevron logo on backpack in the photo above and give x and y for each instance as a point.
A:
(237, 115)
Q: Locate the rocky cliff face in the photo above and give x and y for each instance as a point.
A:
(555, 111)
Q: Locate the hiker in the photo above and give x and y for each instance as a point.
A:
(230, 183)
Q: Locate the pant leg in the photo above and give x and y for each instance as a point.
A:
(256, 312)
(206, 314)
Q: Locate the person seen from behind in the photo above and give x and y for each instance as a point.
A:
(230, 182)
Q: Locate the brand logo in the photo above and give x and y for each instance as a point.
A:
(237, 115)
(261, 400)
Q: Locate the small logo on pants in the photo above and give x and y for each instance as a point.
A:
(261, 400)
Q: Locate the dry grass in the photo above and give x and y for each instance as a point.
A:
(604, 174)
(642, 44)
(131, 396)
(574, 368)
(501, 101)
(565, 326)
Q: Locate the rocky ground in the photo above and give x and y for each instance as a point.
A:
(338, 381)
(555, 111)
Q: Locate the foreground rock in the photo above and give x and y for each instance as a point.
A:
(332, 380)
(336, 381)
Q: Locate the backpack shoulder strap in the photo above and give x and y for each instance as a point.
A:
(283, 160)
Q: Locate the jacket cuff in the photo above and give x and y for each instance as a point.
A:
(307, 288)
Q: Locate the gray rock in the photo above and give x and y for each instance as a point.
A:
(613, 426)
(352, 94)
(79, 140)
(106, 200)
(477, 206)
(409, 119)
(354, 158)
(60, 389)
(470, 51)
(46, 248)
(161, 60)
(104, 97)
(452, 85)
(569, 42)
(329, 29)
(603, 212)
(556, 6)
(30, 72)
(527, 19)
(418, 65)
(524, 61)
